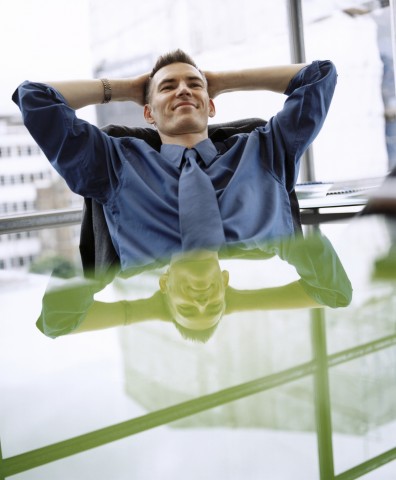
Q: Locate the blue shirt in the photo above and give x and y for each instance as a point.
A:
(252, 173)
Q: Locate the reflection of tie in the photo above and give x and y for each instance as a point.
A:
(199, 216)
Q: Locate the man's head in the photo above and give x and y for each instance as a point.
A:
(177, 99)
(195, 287)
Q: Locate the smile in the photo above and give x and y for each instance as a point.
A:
(185, 104)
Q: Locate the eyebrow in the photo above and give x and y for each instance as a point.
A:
(212, 309)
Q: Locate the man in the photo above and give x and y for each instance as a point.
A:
(140, 187)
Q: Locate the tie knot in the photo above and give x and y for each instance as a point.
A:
(190, 154)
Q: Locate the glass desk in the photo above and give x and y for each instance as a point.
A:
(276, 392)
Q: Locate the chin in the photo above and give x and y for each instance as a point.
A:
(190, 126)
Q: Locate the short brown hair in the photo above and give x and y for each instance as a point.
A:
(176, 56)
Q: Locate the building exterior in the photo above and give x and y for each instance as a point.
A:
(28, 183)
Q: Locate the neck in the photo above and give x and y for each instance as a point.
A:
(196, 255)
(187, 140)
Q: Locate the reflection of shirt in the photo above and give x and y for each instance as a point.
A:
(322, 277)
(137, 185)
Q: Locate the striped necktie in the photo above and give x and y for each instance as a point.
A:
(199, 216)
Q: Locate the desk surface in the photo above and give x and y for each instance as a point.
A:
(347, 193)
(84, 382)
(383, 196)
(332, 201)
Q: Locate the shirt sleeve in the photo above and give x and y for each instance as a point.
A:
(296, 126)
(322, 275)
(80, 152)
(65, 305)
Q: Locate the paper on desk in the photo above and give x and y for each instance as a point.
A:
(347, 188)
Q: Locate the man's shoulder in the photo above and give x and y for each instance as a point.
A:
(149, 135)
(219, 132)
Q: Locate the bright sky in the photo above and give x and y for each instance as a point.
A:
(42, 40)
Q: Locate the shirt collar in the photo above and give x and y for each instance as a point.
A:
(174, 153)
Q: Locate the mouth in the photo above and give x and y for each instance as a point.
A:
(184, 104)
(200, 289)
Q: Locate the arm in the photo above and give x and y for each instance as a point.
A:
(287, 135)
(275, 79)
(80, 152)
(285, 297)
(71, 308)
(80, 93)
(102, 315)
(323, 280)
(322, 275)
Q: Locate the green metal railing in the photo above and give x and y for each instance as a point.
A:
(72, 216)
(318, 368)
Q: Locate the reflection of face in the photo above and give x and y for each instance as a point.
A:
(179, 100)
(195, 288)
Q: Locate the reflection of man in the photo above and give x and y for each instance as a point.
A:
(194, 292)
(195, 287)
(140, 187)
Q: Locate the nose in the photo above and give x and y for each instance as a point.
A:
(183, 89)
(201, 295)
(202, 299)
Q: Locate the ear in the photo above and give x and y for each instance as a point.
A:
(212, 108)
(226, 277)
(147, 114)
(163, 282)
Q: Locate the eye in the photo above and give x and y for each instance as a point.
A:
(215, 308)
(187, 310)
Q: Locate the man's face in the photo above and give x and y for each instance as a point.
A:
(179, 101)
(195, 289)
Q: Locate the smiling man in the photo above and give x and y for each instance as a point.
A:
(178, 104)
(190, 194)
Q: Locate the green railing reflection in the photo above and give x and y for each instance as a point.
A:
(317, 367)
